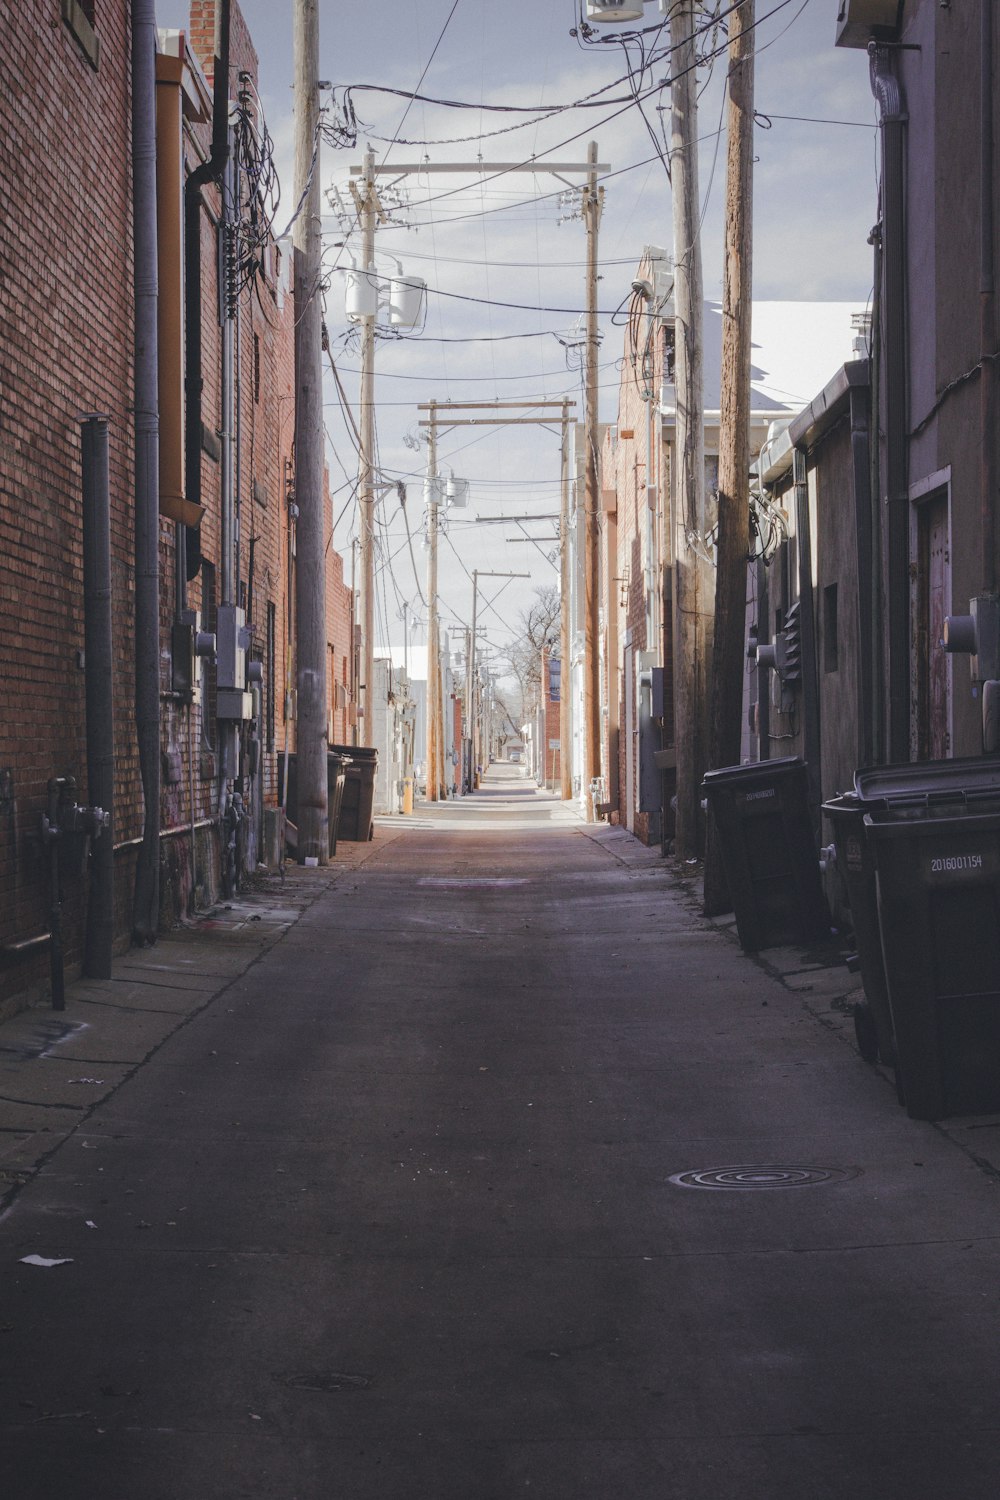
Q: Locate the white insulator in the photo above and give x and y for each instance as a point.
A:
(361, 293)
(406, 301)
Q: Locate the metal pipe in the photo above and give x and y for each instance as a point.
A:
(987, 306)
(807, 625)
(99, 661)
(892, 122)
(145, 913)
(57, 788)
(27, 946)
(867, 622)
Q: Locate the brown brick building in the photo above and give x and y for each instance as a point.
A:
(68, 341)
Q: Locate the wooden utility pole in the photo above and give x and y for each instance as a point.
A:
(432, 609)
(367, 201)
(565, 633)
(592, 205)
(729, 657)
(470, 684)
(311, 736)
(688, 489)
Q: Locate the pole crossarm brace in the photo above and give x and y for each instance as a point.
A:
(488, 422)
(475, 168)
(491, 405)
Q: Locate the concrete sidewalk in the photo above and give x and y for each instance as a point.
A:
(57, 1067)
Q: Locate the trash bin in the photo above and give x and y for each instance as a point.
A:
(354, 823)
(336, 767)
(761, 814)
(934, 829)
(854, 859)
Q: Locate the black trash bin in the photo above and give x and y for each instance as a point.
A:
(761, 813)
(336, 767)
(855, 862)
(934, 829)
(355, 821)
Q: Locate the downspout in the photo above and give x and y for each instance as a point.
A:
(99, 666)
(987, 307)
(763, 678)
(145, 914)
(209, 171)
(807, 626)
(892, 123)
(875, 596)
(867, 619)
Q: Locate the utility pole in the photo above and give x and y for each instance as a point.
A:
(690, 646)
(592, 205)
(441, 734)
(734, 428)
(432, 609)
(311, 736)
(470, 684)
(565, 701)
(366, 199)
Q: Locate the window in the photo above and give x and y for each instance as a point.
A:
(81, 19)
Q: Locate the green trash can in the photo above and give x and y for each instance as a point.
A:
(354, 823)
(761, 814)
(936, 844)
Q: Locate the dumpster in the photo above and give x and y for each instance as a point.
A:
(934, 829)
(761, 814)
(355, 821)
(336, 767)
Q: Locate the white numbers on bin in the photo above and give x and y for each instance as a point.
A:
(956, 862)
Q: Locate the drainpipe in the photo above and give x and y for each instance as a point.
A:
(987, 307)
(807, 626)
(892, 123)
(145, 915)
(867, 619)
(209, 171)
(99, 663)
(875, 604)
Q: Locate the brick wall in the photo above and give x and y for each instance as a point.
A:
(65, 349)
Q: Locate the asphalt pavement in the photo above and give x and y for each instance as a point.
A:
(481, 1165)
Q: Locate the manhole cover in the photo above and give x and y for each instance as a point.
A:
(759, 1178)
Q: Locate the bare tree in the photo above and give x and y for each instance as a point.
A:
(539, 629)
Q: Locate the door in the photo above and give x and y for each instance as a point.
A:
(932, 605)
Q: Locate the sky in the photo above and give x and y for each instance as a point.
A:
(503, 256)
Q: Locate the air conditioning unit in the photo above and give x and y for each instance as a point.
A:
(862, 21)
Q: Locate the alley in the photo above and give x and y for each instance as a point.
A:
(393, 1217)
